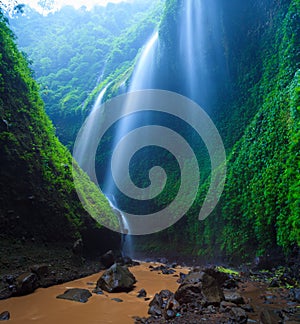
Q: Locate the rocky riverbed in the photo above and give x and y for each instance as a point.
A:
(152, 292)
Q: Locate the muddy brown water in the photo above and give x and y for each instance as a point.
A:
(42, 307)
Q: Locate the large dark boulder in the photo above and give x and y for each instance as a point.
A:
(199, 287)
(116, 279)
(76, 294)
(26, 284)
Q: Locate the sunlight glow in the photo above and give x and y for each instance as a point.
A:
(57, 4)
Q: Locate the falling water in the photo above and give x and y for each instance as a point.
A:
(143, 74)
(200, 50)
(81, 154)
(127, 244)
(142, 78)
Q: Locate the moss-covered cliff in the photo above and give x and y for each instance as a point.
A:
(257, 114)
(38, 201)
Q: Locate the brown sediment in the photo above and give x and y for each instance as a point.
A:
(43, 307)
(261, 297)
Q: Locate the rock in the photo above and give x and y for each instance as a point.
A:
(168, 271)
(235, 298)
(199, 287)
(76, 294)
(230, 284)
(5, 316)
(98, 291)
(248, 308)
(274, 283)
(26, 284)
(7, 292)
(107, 259)
(169, 314)
(269, 317)
(182, 276)
(116, 279)
(118, 300)
(41, 270)
(295, 294)
(164, 304)
(142, 293)
(9, 279)
(226, 306)
(220, 277)
(77, 248)
(239, 315)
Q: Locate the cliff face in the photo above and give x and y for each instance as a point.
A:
(38, 201)
(256, 109)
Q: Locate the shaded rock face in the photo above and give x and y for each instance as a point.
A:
(116, 279)
(199, 287)
(76, 294)
(26, 283)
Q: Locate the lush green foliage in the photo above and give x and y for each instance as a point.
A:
(256, 109)
(258, 118)
(38, 197)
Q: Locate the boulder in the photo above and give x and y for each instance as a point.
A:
(269, 317)
(26, 284)
(142, 293)
(239, 315)
(41, 270)
(76, 294)
(98, 291)
(5, 316)
(107, 259)
(116, 279)
(295, 294)
(199, 287)
(164, 304)
(234, 297)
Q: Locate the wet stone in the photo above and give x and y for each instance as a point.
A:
(235, 298)
(76, 294)
(116, 279)
(26, 283)
(5, 316)
(142, 293)
(98, 291)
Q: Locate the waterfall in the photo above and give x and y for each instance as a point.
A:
(200, 50)
(142, 78)
(143, 73)
(81, 152)
(127, 242)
